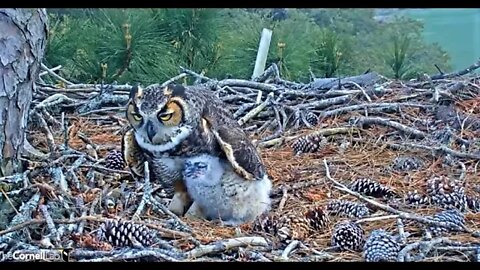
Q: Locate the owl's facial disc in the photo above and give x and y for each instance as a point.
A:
(162, 130)
(159, 117)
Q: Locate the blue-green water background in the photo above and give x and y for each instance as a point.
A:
(457, 30)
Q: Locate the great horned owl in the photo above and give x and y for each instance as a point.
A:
(219, 193)
(175, 122)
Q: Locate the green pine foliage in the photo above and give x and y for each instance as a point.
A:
(290, 46)
(149, 45)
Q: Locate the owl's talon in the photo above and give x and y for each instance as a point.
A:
(194, 212)
(231, 223)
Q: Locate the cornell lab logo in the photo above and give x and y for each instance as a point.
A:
(30, 255)
(66, 254)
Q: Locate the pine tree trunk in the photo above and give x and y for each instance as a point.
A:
(23, 34)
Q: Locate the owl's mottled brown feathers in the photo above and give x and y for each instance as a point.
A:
(218, 125)
(239, 151)
(217, 131)
(181, 122)
(132, 153)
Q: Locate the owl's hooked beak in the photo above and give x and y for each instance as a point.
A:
(151, 131)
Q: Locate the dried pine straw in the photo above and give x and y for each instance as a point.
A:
(285, 168)
(81, 192)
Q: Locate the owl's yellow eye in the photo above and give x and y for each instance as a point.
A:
(165, 116)
(133, 114)
(171, 115)
(137, 117)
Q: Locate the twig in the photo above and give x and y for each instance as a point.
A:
(283, 200)
(389, 123)
(109, 109)
(463, 174)
(457, 248)
(50, 223)
(194, 74)
(433, 149)
(389, 106)
(176, 78)
(124, 254)
(320, 132)
(329, 83)
(242, 109)
(24, 216)
(55, 75)
(403, 255)
(101, 168)
(293, 245)
(48, 134)
(256, 110)
(467, 70)
(59, 178)
(361, 89)
(104, 97)
(80, 205)
(54, 100)
(52, 69)
(147, 191)
(401, 231)
(165, 210)
(370, 219)
(9, 201)
(244, 83)
(226, 244)
(321, 104)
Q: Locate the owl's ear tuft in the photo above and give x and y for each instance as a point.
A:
(177, 90)
(135, 91)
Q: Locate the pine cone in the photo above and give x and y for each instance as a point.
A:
(371, 187)
(114, 160)
(266, 223)
(440, 185)
(453, 215)
(348, 235)
(309, 143)
(473, 204)
(407, 163)
(381, 246)
(446, 193)
(311, 118)
(317, 218)
(347, 208)
(285, 227)
(126, 233)
(293, 226)
(415, 198)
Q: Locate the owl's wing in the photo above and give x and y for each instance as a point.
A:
(132, 153)
(240, 152)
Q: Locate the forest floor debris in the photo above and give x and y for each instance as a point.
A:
(417, 141)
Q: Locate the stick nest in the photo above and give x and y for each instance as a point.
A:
(397, 134)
